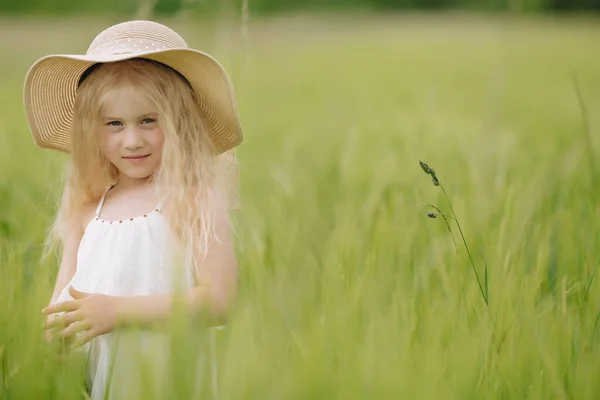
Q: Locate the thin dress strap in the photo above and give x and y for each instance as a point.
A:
(101, 203)
(160, 205)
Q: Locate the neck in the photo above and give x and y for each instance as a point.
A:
(126, 182)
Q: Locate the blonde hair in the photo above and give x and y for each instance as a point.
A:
(188, 178)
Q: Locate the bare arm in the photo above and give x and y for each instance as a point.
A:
(71, 242)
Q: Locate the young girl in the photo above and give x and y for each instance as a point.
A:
(151, 126)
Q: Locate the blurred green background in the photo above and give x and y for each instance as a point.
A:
(270, 6)
(347, 289)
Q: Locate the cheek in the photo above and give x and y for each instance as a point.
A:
(108, 145)
(157, 139)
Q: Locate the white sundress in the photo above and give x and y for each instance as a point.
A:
(120, 258)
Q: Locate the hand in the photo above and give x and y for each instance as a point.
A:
(94, 314)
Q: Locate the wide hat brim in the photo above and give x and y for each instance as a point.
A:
(51, 85)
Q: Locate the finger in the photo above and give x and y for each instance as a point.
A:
(76, 294)
(49, 336)
(55, 321)
(72, 329)
(64, 320)
(85, 338)
(70, 305)
(49, 319)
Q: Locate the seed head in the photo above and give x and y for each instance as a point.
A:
(431, 172)
(426, 168)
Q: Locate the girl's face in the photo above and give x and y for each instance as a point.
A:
(132, 139)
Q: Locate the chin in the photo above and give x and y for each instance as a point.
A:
(138, 176)
(142, 176)
(136, 173)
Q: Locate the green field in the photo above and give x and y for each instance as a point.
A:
(348, 290)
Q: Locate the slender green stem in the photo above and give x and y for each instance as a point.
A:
(594, 331)
(445, 217)
(483, 293)
(3, 368)
(590, 280)
(485, 279)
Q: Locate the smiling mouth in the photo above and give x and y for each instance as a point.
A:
(136, 157)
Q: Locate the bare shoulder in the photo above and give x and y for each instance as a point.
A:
(86, 214)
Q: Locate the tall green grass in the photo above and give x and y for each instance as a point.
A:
(348, 290)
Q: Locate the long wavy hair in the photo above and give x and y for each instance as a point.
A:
(188, 180)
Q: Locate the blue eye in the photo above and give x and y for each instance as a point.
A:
(148, 121)
(114, 123)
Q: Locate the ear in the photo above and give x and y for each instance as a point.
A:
(76, 294)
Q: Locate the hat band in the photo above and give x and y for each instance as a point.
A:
(95, 66)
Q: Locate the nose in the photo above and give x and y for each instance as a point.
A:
(132, 138)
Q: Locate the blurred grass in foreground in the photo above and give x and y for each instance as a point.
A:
(347, 289)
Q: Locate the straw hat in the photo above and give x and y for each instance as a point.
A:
(52, 81)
